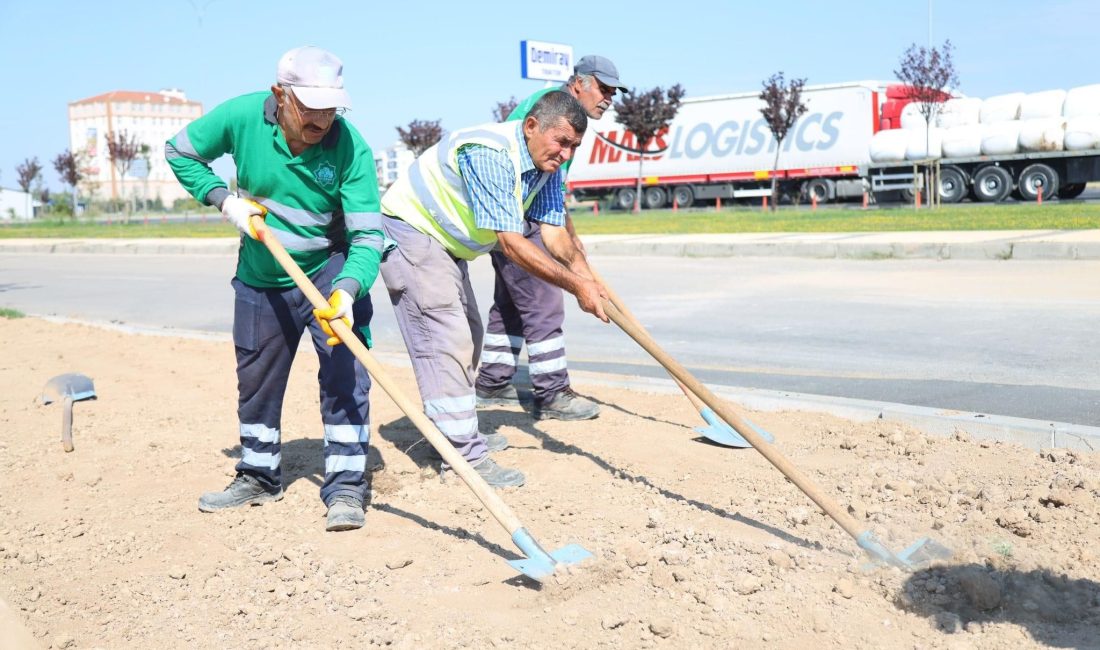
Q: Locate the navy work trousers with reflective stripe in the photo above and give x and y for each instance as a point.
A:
(525, 309)
(267, 328)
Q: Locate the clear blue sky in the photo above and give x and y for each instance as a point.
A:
(406, 60)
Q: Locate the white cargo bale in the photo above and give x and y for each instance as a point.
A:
(1001, 108)
(1047, 103)
(962, 141)
(911, 117)
(960, 111)
(1042, 134)
(1083, 133)
(889, 146)
(921, 146)
(1000, 138)
(1083, 100)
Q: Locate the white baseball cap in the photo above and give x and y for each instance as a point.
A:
(316, 75)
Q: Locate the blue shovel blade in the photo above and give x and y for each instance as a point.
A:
(539, 564)
(922, 553)
(723, 434)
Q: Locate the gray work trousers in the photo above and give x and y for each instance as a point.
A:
(438, 318)
(530, 310)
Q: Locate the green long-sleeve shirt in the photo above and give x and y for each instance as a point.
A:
(318, 202)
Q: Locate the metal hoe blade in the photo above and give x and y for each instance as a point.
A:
(723, 434)
(539, 565)
(917, 556)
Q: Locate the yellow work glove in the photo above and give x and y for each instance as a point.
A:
(339, 307)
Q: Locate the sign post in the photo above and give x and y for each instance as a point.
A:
(545, 61)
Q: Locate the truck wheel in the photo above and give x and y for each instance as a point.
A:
(683, 196)
(819, 188)
(624, 198)
(992, 184)
(654, 198)
(1036, 178)
(953, 185)
(1070, 190)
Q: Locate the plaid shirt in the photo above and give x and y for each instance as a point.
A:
(490, 181)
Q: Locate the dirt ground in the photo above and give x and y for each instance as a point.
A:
(695, 545)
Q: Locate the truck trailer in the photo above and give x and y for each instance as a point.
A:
(720, 148)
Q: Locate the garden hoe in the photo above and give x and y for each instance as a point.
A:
(916, 556)
(716, 430)
(68, 388)
(539, 564)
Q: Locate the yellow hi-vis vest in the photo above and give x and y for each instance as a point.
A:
(432, 197)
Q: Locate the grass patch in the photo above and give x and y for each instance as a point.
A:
(11, 313)
(967, 216)
(1069, 216)
(194, 227)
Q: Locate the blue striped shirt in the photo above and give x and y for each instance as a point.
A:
(490, 181)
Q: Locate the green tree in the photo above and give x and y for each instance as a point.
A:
(29, 171)
(67, 165)
(783, 106)
(645, 114)
(123, 149)
(504, 109)
(421, 135)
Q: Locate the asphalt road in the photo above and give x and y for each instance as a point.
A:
(1005, 338)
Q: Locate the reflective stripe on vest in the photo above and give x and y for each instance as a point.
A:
(431, 196)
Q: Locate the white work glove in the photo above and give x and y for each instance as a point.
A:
(339, 308)
(240, 212)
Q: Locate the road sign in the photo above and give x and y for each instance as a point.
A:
(545, 61)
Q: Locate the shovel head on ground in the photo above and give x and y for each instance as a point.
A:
(67, 388)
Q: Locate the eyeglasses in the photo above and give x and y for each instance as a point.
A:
(607, 90)
(321, 114)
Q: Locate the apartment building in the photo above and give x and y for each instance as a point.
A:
(152, 117)
(391, 163)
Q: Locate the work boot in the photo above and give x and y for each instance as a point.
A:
(344, 513)
(498, 476)
(506, 395)
(567, 405)
(493, 442)
(244, 490)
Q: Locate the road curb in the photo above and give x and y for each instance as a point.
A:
(990, 250)
(1033, 434)
(850, 246)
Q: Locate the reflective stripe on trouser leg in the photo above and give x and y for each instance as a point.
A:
(266, 330)
(345, 408)
(437, 314)
(541, 310)
(503, 334)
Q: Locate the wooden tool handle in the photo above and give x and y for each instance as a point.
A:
(473, 480)
(621, 306)
(831, 508)
(67, 423)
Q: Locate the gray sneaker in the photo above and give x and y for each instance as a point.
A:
(506, 395)
(567, 405)
(498, 476)
(345, 513)
(244, 490)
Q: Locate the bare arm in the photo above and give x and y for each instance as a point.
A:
(572, 274)
(573, 234)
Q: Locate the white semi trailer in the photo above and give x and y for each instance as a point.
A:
(720, 148)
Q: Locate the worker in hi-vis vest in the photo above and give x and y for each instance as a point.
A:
(469, 193)
(529, 310)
